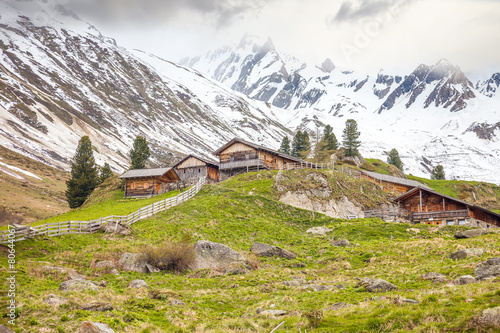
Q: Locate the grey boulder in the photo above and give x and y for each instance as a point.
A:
(90, 327)
(97, 306)
(376, 285)
(55, 300)
(265, 250)
(465, 279)
(488, 268)
(138, 284)
(133, 262)
(462, 254)
(490, 317)
(77, 285)
(471, 233)
(434, 277)
(341, 243)
(116, 228)
(215, 256)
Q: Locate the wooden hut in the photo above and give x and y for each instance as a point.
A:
(147, 182)
(391, 184)
(191, 168)
(239, 155)
(425, 205)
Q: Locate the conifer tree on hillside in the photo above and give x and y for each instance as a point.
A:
(285, 145)
(438, 172)
(84, 178)
(351, 138)
(139, 153)
(105, 173)
(326, 146)
(394, 159)
(301, 147)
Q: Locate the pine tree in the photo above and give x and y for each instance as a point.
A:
(105, 173)
(438, 172)
(301, 147)
(285, 145)
(139, 154)
(84, 178)
(350, 138)
(394, 159)
(329, 139)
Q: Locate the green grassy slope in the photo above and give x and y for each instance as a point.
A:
(229, 303)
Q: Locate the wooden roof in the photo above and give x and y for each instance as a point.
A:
(140, 173)
(205, 160)
(258, 147)
(396, 180)
(411, 192)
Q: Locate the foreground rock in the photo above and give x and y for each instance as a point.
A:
(105, 264)
(70, 272)
(322, 231)
(133, 262)
(465, 279)
(341, 243)
(376, 285)
(316, 287)
(116, 228)
(4, 329)
(55, 300)
(90, 327)
(138, 284)
(465, 253)
(77, 285)
(490, 317)
(471, 233)
(97, 306)
(215, 256)
(177, 302)
(489, 268)
(434, 277)
(265, 250)
(272, 313)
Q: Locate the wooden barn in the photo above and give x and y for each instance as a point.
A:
(391, 184)
(147, 182)
(425, 205)
(191, 168)
(239, 155)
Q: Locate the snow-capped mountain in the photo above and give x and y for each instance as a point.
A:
(61, 79)
(434, 115)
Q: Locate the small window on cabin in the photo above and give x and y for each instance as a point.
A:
(461, 222)
(132, 186)
(146, 186)
(184, 171)
(450, 222)
(199, 170)
(274, 160)
(487, 226)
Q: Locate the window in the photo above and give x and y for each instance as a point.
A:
(461, 222)
(450, 222)
(184, 171)
(199, 170)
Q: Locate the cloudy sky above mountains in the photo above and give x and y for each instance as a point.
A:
(367, 34)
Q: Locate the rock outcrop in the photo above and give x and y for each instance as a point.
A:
(471, 233)
(138, 284)
(116, 228)
(490, 317)
(266, 250)
(77, 285)
(465, 253)
(133, 262)
(376, 285)
(215, 256)
(488, 268)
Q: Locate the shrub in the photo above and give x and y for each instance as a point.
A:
(314, 317)
(173, 257)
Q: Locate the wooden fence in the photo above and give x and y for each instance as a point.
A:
(22, 232)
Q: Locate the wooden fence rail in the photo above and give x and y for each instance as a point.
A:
(22, 232)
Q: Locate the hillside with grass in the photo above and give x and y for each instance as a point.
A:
(29, 190)
(318, 291)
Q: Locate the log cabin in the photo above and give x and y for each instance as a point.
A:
(239, 155)
(147, 182)
(427, 206)
(191, 168)
(391, 184)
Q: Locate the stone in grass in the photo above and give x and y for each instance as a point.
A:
(339, 305)
(340, 243)
(316, 287)
(90, 327)
(133, 262)
(471, 233)
(177, 302)
(322, 231)
(211, 255)
(97, 306)
(78, 285)
(116, 228)
(376, 285)
(465, 279)
(55, 300)
(70, 272)
(435, 277)
(272, 313)
(402, 300)
(105, 264)
(464, 253)
(4, 329)
(294, 283)
(266, 250)
(138, 284)
(490, 317)
(487, 269)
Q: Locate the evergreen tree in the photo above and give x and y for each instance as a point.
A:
(301, 147)
(438, 172)
(394, 159)
(84, 178)
(285, 145)
(350, 138)
(105, 173)
(139, 154)
(329, 139)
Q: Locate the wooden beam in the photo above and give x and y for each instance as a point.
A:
(420, 201)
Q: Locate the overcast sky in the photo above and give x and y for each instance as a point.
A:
(391, 34)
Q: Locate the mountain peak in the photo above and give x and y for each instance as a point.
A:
(327, 66)
(250, 40)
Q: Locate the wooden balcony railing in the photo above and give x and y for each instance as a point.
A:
(440, 215)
